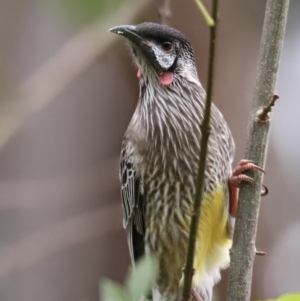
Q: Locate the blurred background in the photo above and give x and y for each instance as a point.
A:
(68, 89)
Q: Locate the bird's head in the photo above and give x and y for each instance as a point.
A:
(161, 53)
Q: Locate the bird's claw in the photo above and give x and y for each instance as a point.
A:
(236, 179)
(237, 176)
(246, 165)
(264, 191)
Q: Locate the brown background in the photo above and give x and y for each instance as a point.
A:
(60, 215)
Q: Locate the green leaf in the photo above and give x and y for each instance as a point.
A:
(209, 20)
(112, 291)
(143, 277)
(289, 297)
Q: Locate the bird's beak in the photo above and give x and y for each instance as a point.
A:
(130, 32)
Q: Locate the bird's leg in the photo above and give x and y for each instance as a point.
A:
(195, 295)
(235, 180)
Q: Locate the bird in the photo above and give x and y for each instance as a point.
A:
(159, 164)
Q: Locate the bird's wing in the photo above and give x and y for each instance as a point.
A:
(133, 207)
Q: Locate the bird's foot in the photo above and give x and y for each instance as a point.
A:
(237, 176)
(236, 179)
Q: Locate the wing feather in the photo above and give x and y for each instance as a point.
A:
(133, 206)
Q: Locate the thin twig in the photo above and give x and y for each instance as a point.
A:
(243, 248)
(188, 271)
(77, 55)
(261, 253)
(209, 20)
(165, 13)
(263, 115)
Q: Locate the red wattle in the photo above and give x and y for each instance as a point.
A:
(139, 72)
(166, 79)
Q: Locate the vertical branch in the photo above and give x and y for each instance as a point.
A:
(243, 249)
(164, 12)
(188, 271)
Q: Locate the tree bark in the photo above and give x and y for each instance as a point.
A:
(243, 248)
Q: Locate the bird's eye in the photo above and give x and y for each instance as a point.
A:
(167, 46)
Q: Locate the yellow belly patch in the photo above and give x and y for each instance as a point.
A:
(213, 243)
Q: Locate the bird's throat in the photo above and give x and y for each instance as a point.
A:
(165, 79)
